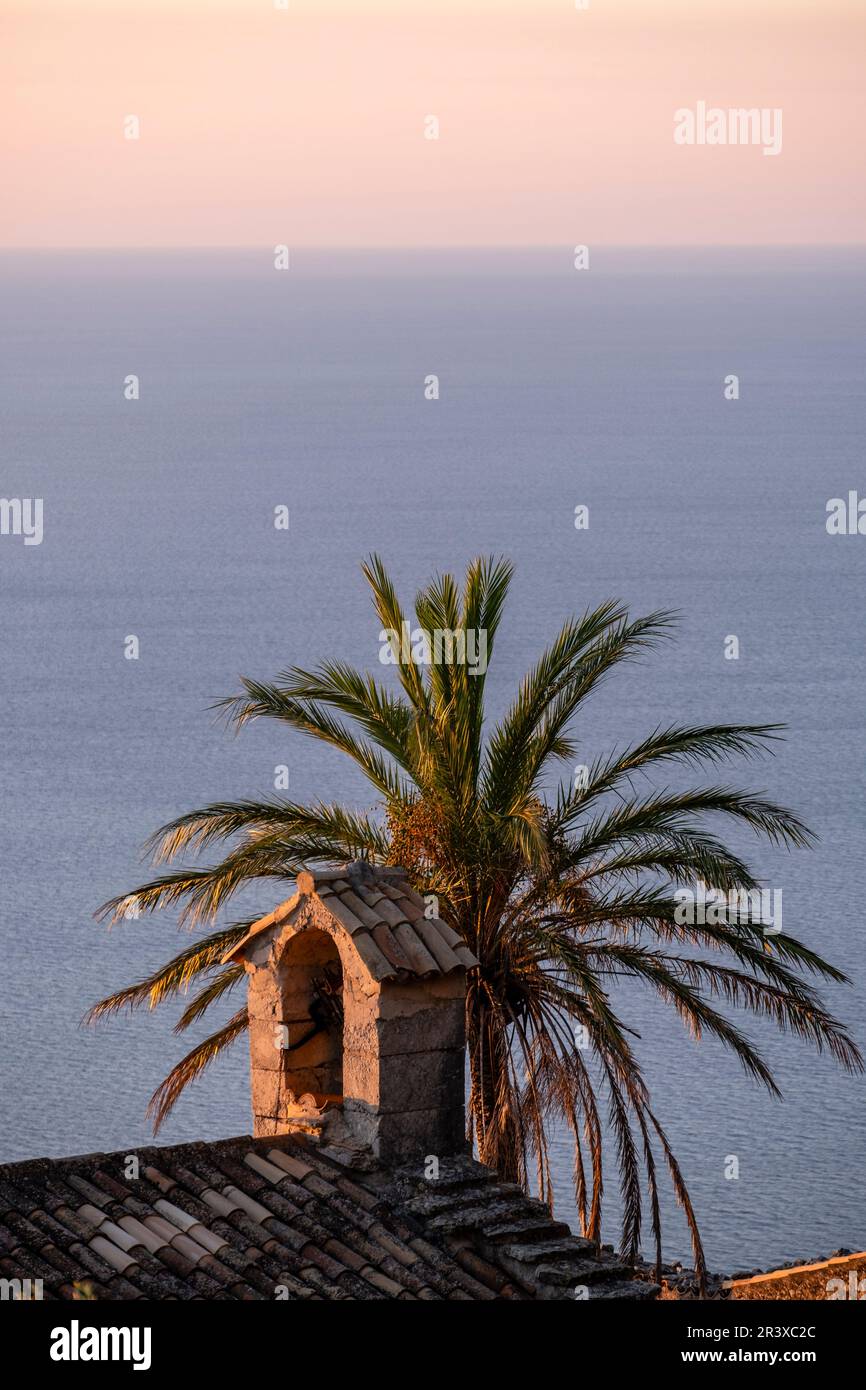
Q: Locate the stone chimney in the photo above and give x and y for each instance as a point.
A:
(357, 1015)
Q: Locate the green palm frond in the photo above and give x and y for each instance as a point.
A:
(169, 1091)
(221, 984)
(668, 811)
(392, 618)
(345, 832)
(695, 746)
(581, 656)
(203, 891)
(386, 719)
(174, 977)
(312, 718)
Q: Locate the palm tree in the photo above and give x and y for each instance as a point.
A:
(558, 894)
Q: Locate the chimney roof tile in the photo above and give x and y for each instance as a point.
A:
(384, 917)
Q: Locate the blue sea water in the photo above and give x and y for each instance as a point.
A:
(557, 388)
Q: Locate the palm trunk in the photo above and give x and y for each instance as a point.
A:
(492, 1101)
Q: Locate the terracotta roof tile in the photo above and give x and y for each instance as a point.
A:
(344, 914)
(376, 962)
(294, 1166)
(422, 961)
(368, 916)
(385, 918)
(391, 949)
(436, 944)
(242, 1218)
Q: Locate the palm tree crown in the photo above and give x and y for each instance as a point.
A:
(558, 895)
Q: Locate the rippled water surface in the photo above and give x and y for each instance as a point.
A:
(557, 389)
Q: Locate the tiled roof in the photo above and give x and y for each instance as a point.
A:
(276, 1218)
(385, 918)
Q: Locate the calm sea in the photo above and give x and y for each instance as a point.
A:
(306, 389)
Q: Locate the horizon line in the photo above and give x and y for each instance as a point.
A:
(459, 247)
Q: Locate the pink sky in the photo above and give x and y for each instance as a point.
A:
(260, 126)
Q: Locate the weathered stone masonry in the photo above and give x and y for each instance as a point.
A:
(357, 1005)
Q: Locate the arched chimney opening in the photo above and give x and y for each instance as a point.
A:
(310, 981)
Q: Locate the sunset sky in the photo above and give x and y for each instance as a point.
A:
(306, 125)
